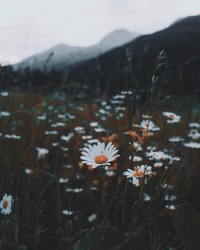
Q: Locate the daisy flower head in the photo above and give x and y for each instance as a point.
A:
(99, 154)
(149, 125)
(194, 134)
(173, 118)
(138, 171)
(6, 204)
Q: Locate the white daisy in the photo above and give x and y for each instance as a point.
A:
(194, 125)
(42, 152)
(176, 139)
(149, 125)
(67, 212)
(194, 134)
(138, 172)
(98, 155)
(92, 217)
(192, 144)
(173, 117)
(6, 204)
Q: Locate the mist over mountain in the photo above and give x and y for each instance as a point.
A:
(62, 56)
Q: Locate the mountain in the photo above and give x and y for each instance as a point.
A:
(62, 56)
(181, 43)
(118, 38)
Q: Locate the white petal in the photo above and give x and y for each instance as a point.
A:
(92, 149)
(95, 165)
(89, 152)
(88, 156)
(110, 150)
(112, 153)
(102, 147)
(96, 151)
(112, 158)
(107, 147)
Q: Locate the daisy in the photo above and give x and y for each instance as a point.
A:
(176, 139)
(156, 155)
(67, 212)
(173, 117)
(194, 125)
(138, 172)
(99, 154)
(158, 164)
(28, 171)
(194, 134)
(42, 152)
(149, 125)
(5, 204)
(135, 158)
(192, 144)
(92, 217)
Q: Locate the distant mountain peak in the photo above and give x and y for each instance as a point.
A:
(119, 37)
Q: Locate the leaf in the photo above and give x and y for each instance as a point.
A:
(187, 223)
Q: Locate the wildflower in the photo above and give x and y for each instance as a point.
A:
(4, 113)
(110, 173)
(176, 139)
(58, 124)
(93, 124)
(77, 190)
(5, 204)
(157, 155)
(92, 217)
(42, 152)
(98, 155)
(139, 172)
(173, 117)
(51, 132)
(194, 125)
(99, 130)
(146, 116)
(192, 144)
(137, 146)
(194, 134)
(135, 158)
(28, 171)
(146, 197)
(158, 164)
(171, 207)
(63, 180)
(149, 125)
(86, 137)
(79, 129)
(67, 212)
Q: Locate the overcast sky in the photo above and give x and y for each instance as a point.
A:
(31, 26)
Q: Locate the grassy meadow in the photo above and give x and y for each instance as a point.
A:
(58, 202)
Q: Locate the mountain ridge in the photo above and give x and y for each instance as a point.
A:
(69, 55)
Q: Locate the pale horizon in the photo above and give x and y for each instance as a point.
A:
(32, 26)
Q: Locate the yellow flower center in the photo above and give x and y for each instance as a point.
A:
(171, 116)
(101, 159)
(138, 173)
(5, 204)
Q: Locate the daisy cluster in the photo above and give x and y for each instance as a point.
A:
(87, 137)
